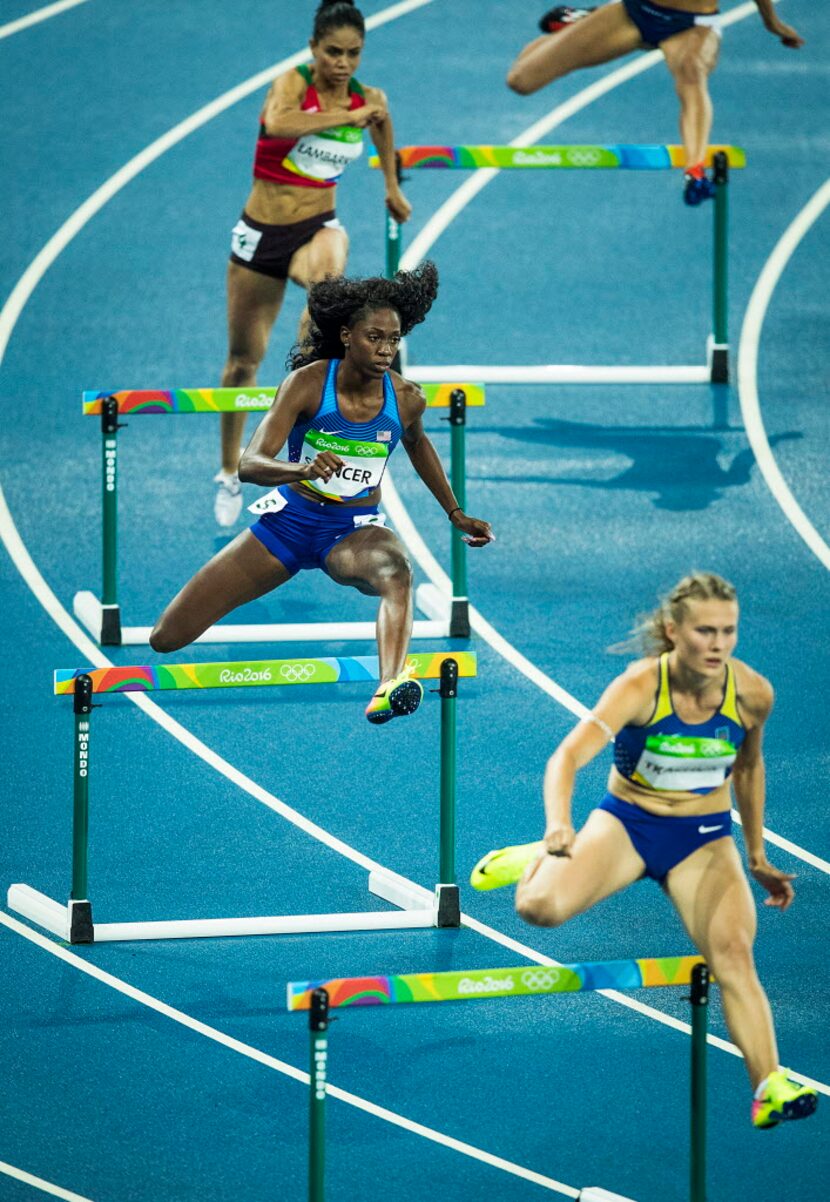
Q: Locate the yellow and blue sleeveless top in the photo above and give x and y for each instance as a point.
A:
(364, 447)
(672, 756)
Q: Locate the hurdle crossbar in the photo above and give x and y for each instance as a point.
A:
(480, 984)
(488, 984)
(416, 906)
(446, 616)
(721, 158)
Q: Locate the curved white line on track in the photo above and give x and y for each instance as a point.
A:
(46, 1187)
(23, 561)
(41, 14)
(281, 1066)
(748, 371)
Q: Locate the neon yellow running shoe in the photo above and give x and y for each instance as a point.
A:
(782, 1099)
(504, 866)
(395, 697)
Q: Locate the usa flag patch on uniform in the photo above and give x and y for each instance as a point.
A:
(384, 436)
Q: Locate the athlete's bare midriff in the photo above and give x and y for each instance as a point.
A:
(679, 805)
(284, 204)
(701, 8)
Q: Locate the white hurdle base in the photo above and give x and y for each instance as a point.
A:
(417, 908)
(89, 610)
(562, 373)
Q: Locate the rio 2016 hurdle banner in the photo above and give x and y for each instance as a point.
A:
(481, 983)
(625, 157)
(236, 400)
(149, 678)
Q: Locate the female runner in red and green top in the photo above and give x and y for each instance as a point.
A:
(342, 412)
(687, 723)
(311, 128)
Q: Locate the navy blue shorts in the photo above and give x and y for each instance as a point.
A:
(656, 22)
(302, 533)
(663, 840)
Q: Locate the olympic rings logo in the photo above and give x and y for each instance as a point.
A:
(584, 158)
(362, 449)
(540, 978)
(297, 673)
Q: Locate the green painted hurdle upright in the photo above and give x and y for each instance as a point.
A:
(620, 157)
(487, 984)
(416, 907)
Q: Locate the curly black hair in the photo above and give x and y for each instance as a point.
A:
(336, 302)
(337, 14)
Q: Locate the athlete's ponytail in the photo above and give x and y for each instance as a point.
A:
(335, 14)
(649, 634)
(336, 302)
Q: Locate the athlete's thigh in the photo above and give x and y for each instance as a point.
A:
(712, 895)
(254, 302)
(240, 572)
(691, 49)
(325, 254)
(605, 34)
(363, 557)
(602, 862)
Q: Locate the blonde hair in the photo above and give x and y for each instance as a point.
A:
(649, 634)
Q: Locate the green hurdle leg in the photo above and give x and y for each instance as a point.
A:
(110, 617)
(699, 999)
(720, 296)
(449, 902)
(318, 1025)
(80, 911)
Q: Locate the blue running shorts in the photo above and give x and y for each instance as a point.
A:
(663, 840)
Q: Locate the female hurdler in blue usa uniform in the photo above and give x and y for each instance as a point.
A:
(688, 34)
(686, 722)
(342, 412)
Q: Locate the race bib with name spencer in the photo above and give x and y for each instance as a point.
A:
(684, 763)
(326, 155)
(363, 464)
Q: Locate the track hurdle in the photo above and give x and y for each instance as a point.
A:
(486, 984)
(417, 907)
(446, 617)
(619, 157)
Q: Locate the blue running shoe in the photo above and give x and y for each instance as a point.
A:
(698, 187)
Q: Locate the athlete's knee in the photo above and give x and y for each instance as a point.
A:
(691, 71)
(519, 81)
(241, 367)
(537, 907)
(391, 570)
(731, 956)
(164, 638)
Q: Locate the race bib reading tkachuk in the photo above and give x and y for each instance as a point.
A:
(684, 763)
(363, 464)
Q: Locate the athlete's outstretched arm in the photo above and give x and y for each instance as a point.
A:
(383, 135)
(789, 36)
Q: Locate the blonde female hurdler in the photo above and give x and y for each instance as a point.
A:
(687, 723)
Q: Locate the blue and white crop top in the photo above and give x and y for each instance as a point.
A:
(672, 756)
(364, 447)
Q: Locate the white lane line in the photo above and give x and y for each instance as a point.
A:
(84, 213)
(479, 179)
(75, 634)
(30, 573)
(47, 1187)
(280, 1066)
(748, 371)
(41, 14)
(402, 522)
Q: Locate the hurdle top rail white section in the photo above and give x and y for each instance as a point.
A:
(625, 157)
(149, 678)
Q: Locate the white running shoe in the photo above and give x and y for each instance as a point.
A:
(228, 503)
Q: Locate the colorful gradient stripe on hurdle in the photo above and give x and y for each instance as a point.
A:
(627, 157)
(151, 678)
(481, 983)
(236, 400)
